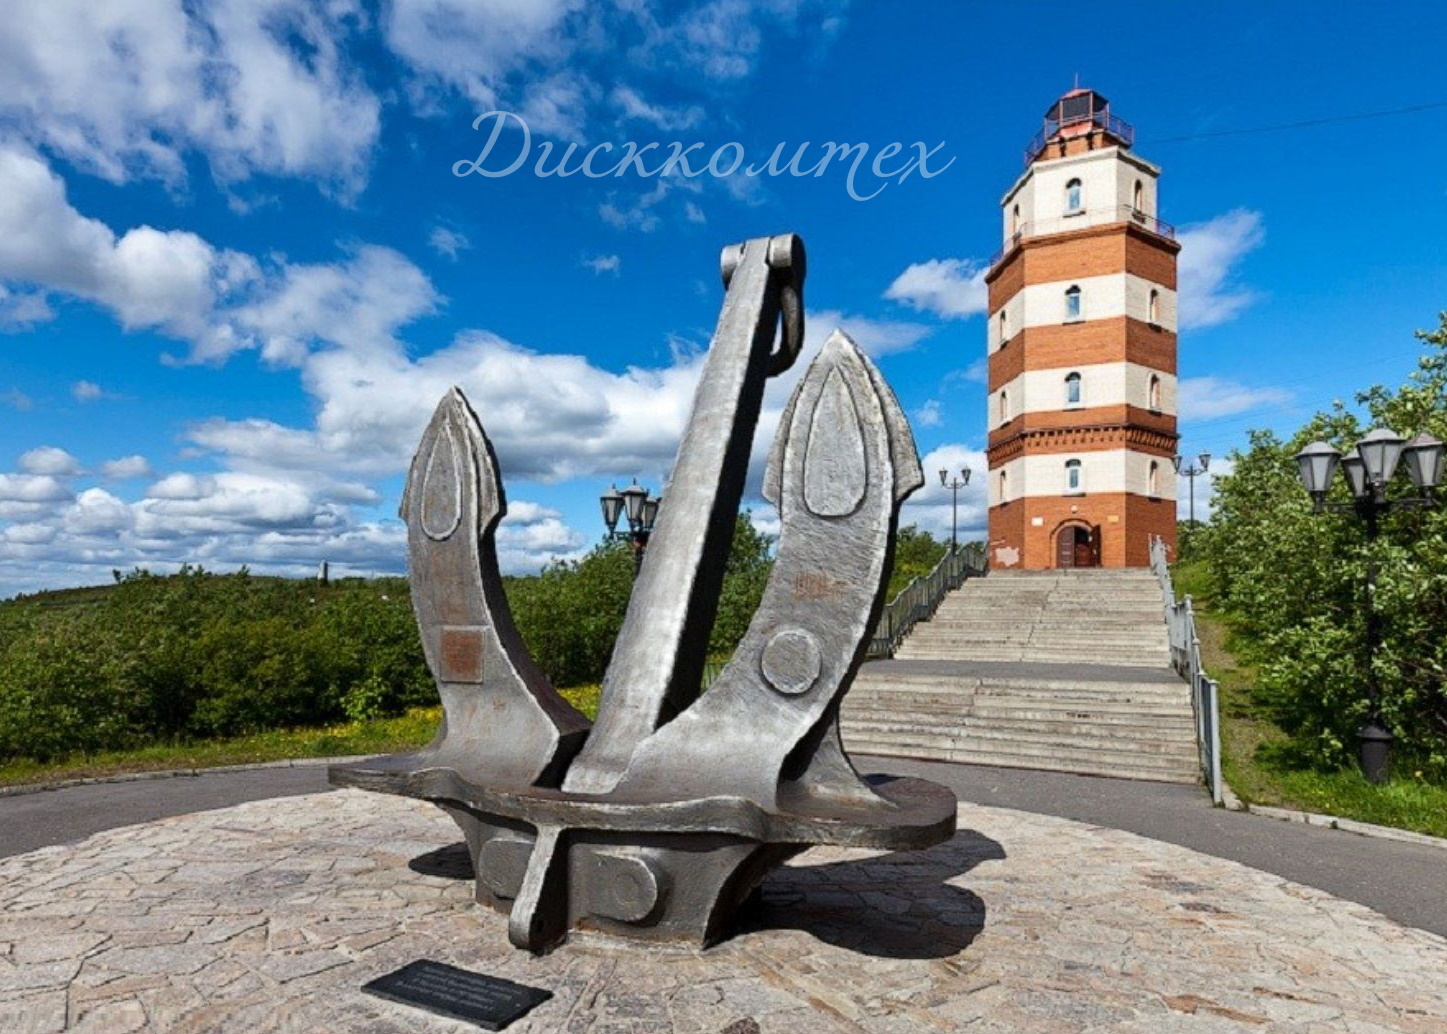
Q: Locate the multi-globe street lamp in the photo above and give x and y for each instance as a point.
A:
(954, 485)
(1368, 470)
(1191, 472)
(639, 508)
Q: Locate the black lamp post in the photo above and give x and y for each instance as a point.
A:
(1191, 472)
(640, 509)
(1368, 470)
(954, 485)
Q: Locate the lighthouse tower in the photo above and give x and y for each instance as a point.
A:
(1082, 351)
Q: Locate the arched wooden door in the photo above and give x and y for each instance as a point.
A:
(1075, 547)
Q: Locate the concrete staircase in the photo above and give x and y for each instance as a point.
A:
(1060, 670)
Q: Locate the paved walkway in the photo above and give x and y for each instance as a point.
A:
(1403, 881)
(268, 916)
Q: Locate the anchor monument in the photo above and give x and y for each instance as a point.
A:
(659, 820)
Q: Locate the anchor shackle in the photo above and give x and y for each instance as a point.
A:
(786, 255)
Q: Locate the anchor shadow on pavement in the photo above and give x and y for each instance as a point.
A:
(450, 863)
(902, 905)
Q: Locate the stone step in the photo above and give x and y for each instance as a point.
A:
(1058, 617)
(1041, 690)
(963, 638)
(1042, 653)
(1055, 617)
(981, 637)
(1120, 765)
(1088, 620)
(955, 706)
(1056, 718)
(1025, 736)
(1119, 658)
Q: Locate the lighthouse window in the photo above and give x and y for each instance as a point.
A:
(1004, 492)
(1004, 406)
(1004, 328)
(1154, 484)
(1072, 197)
(1138, 199)
(1155, 394)
(1072, 302)
(1154, 307)
(1072, 476)
(1072, 389)
(1015, 220)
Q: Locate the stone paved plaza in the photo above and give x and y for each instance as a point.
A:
(269, 917)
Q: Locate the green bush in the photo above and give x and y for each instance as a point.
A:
(1292, 584)
(196, 655)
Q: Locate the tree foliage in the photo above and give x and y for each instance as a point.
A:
(1293, 583)
(916, 553)
(196, 654)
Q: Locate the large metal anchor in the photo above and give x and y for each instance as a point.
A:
(662, 818)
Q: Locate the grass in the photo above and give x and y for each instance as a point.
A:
(382, 736)
(1255, 756)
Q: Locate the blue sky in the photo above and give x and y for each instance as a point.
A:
(237, 269)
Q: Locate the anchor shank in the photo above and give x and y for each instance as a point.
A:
(658, 661)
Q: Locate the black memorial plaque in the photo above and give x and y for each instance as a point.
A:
(490, 1002)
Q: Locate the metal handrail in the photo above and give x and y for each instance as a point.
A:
(918, 600)
(1112, 124)
(1103, 216)
(1186, 660)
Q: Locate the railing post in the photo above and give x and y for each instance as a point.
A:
(1215, 741)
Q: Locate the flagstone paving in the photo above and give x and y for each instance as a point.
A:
(269, 916)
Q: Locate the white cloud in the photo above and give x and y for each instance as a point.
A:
(977, 372)
(473, 45)
(32, 488)
(28, 534)
(550, 417)
(930, 507)
(448, 242)
(531, 535)
(171, 280)
(1209, 254)
(126, 468)
(632, 105)
(604, 264)
(87, 391)
(930, 414)
(724, 38)
(97, 512)
(17, 400)
(47, 459)
(951, 288)
(557, 106)
(126, 88)
(359, 303)
(693, 213)
(21, 309)
(643, 211)
(1205, 489)
(1207, 398)
(875, 336)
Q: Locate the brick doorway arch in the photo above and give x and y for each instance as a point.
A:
(1077, 544)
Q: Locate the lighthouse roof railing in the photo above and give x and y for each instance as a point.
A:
(1100, 119)
(1082, 220)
